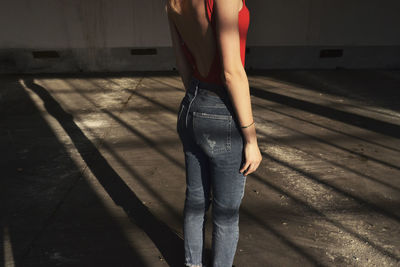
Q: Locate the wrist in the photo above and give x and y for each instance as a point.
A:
(250, 141)
(248, 125)
(249, 134)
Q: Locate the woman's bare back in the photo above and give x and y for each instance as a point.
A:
(191, 21)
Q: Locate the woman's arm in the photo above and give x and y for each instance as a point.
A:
(235, 77)
(182, 64)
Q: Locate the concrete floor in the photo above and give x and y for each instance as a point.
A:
(92, 170)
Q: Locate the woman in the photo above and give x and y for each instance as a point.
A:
(215, 122)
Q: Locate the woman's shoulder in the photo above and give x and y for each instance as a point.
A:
(210, 7)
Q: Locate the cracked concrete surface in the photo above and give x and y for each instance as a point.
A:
(92, 171)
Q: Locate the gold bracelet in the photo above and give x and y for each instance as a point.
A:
(247, 125)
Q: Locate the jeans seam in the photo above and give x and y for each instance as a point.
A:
(228, 145)
(181, 111)
(190, 104)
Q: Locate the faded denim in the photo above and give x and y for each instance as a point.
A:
(213, 147)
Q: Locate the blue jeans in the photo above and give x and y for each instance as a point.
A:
(213, 146)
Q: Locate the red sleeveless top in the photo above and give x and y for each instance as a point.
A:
(214, 75)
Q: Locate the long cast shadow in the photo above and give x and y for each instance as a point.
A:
(42, 189)
(371, 124)
(372, 86)
(166, 240)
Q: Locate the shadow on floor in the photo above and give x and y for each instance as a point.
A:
(167, 241)
(371, 124)
(382, 88)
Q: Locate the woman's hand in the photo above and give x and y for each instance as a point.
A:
(252, 158)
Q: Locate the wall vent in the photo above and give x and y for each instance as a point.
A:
(325, 53)
(144, 51)
(45, 54)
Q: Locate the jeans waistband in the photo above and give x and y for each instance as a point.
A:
(211, 88)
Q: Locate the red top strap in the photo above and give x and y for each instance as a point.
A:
(210, 8)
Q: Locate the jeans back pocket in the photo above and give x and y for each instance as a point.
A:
(212, 132)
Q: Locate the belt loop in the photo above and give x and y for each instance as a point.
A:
(191, 101)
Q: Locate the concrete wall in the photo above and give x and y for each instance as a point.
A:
(98, 35)
(325, 22)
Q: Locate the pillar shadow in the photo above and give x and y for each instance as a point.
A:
(375, 87)
(38, 178)
(371, 124)
(166, 240)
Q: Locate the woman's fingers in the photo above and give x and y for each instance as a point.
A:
(252, 157)
(251, 167)
(245, 166)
